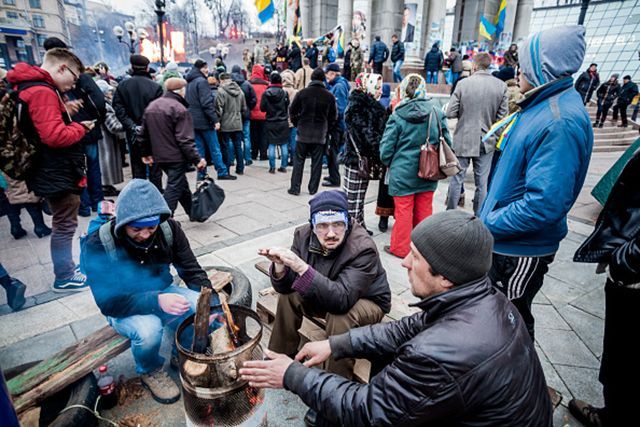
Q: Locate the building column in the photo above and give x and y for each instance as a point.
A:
(305, 18)
(345, 15)
(429, 28)
(523, 20)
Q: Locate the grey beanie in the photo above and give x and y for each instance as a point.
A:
(139, 199)
(456, 245)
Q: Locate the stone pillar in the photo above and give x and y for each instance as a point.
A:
(386, 20)
(522, 20)
(305, 18)
(345, 15)
(429, 29)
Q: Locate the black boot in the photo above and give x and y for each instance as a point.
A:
(383, 225)
(35, 211)
(14, 218)
(311, 418)
(15, 293)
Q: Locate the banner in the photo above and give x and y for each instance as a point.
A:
(412, 21)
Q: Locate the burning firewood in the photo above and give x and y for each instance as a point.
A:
(201, 322)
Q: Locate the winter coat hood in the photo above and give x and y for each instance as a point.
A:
(193, 74)
(414, 110)
(236, 75)
(275, 93)
(288, 78)
(140, 199)
(552, 54)
(24, 72)
(257, 72)
(231, 87)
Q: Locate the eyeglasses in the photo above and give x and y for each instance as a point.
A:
(73, 73)
(323, 227)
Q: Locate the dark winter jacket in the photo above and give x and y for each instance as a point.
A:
(93, 107)
(259, 85)
(142, 272)
(340, 87)
(295, 58)
(465, 360)
(615, 241)
(230, 106)
(249, 94)
(167, 131)
(628, 91)
(365, 118)
(456, 62)
(586, 84)
(397, 51)
(313, 111)
(275, 104)
(312, 55)
(433, 59)
(379, 52)
(201, 104)
(59, 163)
(132, 97)
(608, 92)
(335, 282)
(511, 58)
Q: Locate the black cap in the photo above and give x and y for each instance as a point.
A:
(53, 42)
(200, 63)
(275, 77)
(139, 61)
(332, 67)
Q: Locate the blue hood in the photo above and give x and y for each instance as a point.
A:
(552, 54)
(140, 199)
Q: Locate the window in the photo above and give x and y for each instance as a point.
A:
(38, 21)
(12, 15)
(35, 4)
(10, 2)
(41, 39)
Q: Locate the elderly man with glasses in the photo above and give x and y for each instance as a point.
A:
(332, 271)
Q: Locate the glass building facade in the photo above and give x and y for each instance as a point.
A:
(613, 32)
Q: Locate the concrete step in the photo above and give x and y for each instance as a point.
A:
(614, 130)
(609, 148)
(602, 142)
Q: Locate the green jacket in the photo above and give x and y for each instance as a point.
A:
(230, 106)
(406, 131)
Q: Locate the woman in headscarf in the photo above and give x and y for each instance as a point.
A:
(414, 122)
(365, 118)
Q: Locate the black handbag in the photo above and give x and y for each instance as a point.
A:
(365, 169)
(206, 200)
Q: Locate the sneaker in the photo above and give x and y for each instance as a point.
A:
(588, 415)
(283, 170)
(162, 387)
(15, 294)
(228, 177)
(75, 283)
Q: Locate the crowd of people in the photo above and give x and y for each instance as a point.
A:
(293, 103)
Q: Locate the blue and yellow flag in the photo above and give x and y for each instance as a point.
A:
(500, 17)
(265, 10)
(487, 29)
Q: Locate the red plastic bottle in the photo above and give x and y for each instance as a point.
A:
(107, 388)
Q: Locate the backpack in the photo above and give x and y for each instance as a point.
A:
(17, 150)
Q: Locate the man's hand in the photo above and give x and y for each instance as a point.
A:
(88, 124)
(148, 160)
(173, 304)
(202, 164)
(285, 257)
(217, 126)
(266, 373)
(73, 106)
(315, 352)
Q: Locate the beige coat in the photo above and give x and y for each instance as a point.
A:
(303, 77)
(17, 192)
(288, 84)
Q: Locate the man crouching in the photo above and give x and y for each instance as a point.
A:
(332, 271)
(127, 265)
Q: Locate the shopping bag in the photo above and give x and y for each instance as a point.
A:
(206, 200)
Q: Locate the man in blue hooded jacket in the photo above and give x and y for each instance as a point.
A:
(339, 87)
(546, 149)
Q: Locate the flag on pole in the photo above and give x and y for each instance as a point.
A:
(500, 17)
(340, 42)
(265, 10)
(487, 29)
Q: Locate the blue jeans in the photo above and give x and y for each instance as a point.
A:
(145, 330)
(246, 133)
(454, 77)
(397, 77)
(432, 77)
(292, 143)
(209, 138)
(233, 140)
(92, 194)
(284, 156)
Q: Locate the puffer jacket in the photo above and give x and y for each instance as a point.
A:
(541, 171)
(615, 241)
(230, 106)
(249, 94)
(259, 86)
(608, 92)
(405, 133)
(201, 103)
(289, 86)
(365, 118)
(59, 163)
(379, 52)
(335, 282)
(465, 360)
(275, 104)
(340, 88)
(433, 59)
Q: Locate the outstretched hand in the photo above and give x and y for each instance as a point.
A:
(266, 373)
(315, 353)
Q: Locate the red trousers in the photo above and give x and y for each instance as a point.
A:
(409, 211)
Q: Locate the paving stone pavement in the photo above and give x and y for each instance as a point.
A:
(258, 212)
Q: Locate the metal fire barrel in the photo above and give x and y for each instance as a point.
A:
(212, 390)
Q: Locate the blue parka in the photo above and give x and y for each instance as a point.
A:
(339, 87)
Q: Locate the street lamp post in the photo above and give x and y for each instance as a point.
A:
(583, 11)
(160, 5)
(135, 36)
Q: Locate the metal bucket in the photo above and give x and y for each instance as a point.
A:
(213, 392)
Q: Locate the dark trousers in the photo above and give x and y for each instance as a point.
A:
(619, 368)
(139, 169)
(603, 110)
(233, 142)
(377, 67)
(177, 186)
(34, 210)
(622, 108)
(384, 205)
(258, 141)
(92, 194)
(334, 143)
(302, 150)
(64, 213)
(520, 279)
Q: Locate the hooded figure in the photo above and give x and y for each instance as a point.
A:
(275, 104)
(230, 106)
(607, 94)
(249, 93)
(289, 86)
(258, 141)
(433, 61)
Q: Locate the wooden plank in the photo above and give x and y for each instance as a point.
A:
(69, 365)
(220, 279)
(201, 322)
(263, 266)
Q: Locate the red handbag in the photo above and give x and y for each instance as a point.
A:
(429, 166)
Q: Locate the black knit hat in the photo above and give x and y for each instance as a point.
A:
(456, 245)
(200, 63)
(332, 200)
(275, 78)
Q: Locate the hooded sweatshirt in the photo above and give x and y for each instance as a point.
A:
(143, 269)
(545, 154)
(230, 106)
(259, 86)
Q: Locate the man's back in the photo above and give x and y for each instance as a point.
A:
(132, 97)
(477, 102)
(313, 111)
(200, 100)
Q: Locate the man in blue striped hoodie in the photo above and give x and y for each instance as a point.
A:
(546, 149)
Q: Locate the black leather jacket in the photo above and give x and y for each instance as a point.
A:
(615, 240)
(465, 360)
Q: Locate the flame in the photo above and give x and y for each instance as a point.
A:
(174, 48)
(233, 328)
